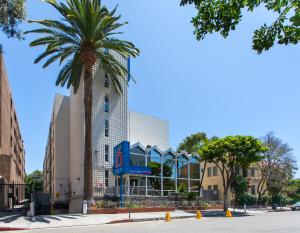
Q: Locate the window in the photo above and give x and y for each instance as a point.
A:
(106, 178)
(215, 171)
(253, 189)
(182, 166)
(106, 103)
(106, 128)
(209, 187)
(194, 168)
(209, 172)
(106, 81)
(106, 153)
(252, 172)
(215, 188)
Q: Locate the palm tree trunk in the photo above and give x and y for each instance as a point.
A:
(88, 159)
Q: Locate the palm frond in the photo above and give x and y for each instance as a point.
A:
(85, 25)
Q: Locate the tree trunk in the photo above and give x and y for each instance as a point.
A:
(202, 177)
(88, 159)
(225, 199)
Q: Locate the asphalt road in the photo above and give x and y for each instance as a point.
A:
(279, 222)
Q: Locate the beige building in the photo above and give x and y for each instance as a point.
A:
(12, 154)
(213, 180)
(57, 156)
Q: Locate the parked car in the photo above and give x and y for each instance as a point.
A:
(296, 206)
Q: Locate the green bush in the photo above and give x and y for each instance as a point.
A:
(282, 200)
(191, 196)
(265, 200)
(105, 204)
(246, 199)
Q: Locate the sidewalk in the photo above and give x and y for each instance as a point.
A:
(16, 220)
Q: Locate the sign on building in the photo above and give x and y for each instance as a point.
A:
(122, 163)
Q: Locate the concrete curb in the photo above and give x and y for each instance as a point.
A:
(13, 229)
(127, 220)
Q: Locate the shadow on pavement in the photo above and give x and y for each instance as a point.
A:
(12, 216)
(8, 217)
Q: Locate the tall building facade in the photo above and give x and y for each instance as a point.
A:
(12, 153)
(110, 127)
(148, 130)
(57, 156)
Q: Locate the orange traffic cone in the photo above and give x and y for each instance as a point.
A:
(198, 215)
(228, 214)
(168, 217)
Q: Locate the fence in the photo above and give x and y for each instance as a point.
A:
(13, 196)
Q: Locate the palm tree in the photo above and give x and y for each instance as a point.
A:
(80, 41)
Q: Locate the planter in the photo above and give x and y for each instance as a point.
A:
(95, 210)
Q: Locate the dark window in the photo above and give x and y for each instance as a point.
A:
(253, 189)
(252, 172)
(106, 153)
(106, 103)
(209, 187)
(106, 178)
(215, 171)
(106, 81)
(106, 128)
(209, 172)
(216, 187)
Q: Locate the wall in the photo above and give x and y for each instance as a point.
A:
(77, 142)
(118, 125)
(62, 148)
(12, 151)
(148, 130)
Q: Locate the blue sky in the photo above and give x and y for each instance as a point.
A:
(218, 86)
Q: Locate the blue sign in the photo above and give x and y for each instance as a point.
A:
(122, 163)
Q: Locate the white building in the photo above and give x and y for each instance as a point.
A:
(65, 148)
(57, 157)
(112, 124)
(148, 130)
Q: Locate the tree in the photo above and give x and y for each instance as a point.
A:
(276, 168)
(192, 144)
(80, 41)
(34, 182)
(239, 187)
(12, 13)
(223, 16)
(232, 154)
(293, 190)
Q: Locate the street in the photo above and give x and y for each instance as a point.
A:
(279, 222)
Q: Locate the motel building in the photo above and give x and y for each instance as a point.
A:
(148, 167)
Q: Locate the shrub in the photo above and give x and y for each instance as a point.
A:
(105, 204)
(282, 200)
(246, 199)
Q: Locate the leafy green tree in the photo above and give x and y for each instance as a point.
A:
(34, 182)
(80, 41)
(293, 190)
(223, 16)
(230, 155)
(239, 187)
(192, 144)
(12, 13)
